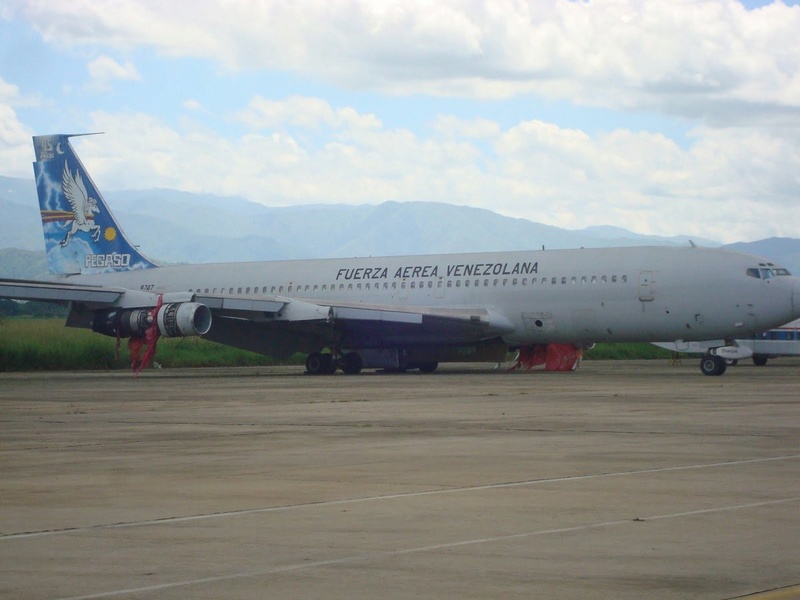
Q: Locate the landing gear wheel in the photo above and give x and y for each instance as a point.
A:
(711, 364)
(759, 361)
(351, 363)
(428, 367)
(319, 364)
(314, 364)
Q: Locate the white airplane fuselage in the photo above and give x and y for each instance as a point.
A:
(579, 296)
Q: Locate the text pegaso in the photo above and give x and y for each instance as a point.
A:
(95, 261)
(425, 271)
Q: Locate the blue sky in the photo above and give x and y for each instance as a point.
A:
(664, 117)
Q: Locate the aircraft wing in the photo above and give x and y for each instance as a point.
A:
(282, 326)
(277, 325)
(19, 289)
(418, 324)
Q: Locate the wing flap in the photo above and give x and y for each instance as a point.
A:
(366, 326)
(236, 303)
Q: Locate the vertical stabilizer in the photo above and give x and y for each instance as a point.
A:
(80, 233)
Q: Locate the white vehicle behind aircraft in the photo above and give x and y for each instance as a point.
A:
(781, 341)
(400, 312)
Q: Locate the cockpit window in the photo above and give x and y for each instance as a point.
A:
(767, 272)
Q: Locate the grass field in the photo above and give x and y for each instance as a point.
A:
(39, 344)
(31, 344)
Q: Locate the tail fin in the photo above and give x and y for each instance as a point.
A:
(80, 233)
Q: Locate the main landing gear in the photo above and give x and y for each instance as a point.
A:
(325, 364)
(711, 364)
(351, 363)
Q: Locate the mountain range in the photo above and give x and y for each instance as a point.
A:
(180, 227)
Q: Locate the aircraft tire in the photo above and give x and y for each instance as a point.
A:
(759, 360)
(352, 363)
(712, 365)
(314, 363)
(320, 364)
(428, 367)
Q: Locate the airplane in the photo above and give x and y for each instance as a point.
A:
(393, 312)
(777, 342)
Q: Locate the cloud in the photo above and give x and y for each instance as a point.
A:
(104, 70)
(534, 169)
(194, 105)
(680, 58)
(731, 76)
(302, 112)
(15, 153)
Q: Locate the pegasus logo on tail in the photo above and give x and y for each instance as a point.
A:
(83, 206)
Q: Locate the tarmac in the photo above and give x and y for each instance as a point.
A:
(625, 479)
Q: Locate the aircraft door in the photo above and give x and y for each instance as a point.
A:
(647, 286)
(403, 291)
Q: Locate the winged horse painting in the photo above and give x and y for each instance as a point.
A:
(83, 206)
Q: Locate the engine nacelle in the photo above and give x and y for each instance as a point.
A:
(175, 319)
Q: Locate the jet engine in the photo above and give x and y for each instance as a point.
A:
(175, 319)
